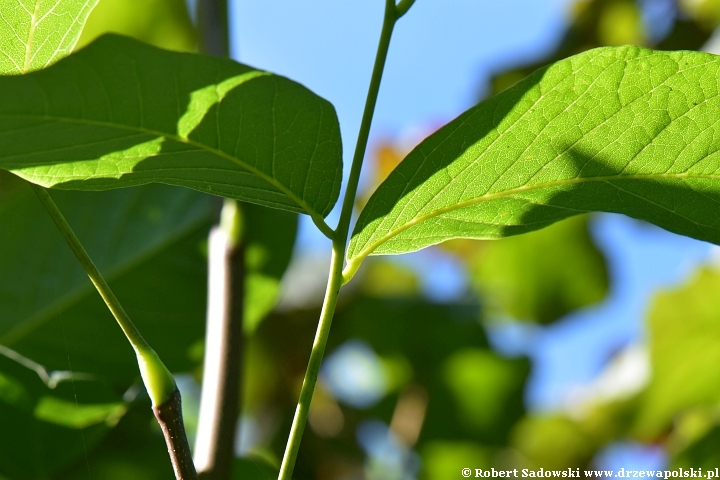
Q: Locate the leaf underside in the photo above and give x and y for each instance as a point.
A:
(120, 113)
(36, 33)
(144, 240)
(626, 130)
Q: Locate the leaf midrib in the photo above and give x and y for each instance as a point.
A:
(301, 203)
(525, 188)
(31, 34)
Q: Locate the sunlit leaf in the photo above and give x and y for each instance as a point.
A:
(36, 33)
(119, 113)
(441, 459)
(624, 130)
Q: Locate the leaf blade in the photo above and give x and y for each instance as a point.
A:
(624, 130)
(119, 113)
(36, 33)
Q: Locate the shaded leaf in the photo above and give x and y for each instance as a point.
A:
(252, 468)
(543, 275)
(134, 449)
(144, 240)
(269, 241)
(120, 113)
(701, 453)
(36, 33)
(46, 428)
(624, 130)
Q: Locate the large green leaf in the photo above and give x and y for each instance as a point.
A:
(36, 33)
(541, 276)
(134, 449)
(145, 241)
(119, 113)
(625, 130)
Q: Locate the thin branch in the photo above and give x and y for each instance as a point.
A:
(169, 416)
(224, 338)
(220, 400)
(212, 23)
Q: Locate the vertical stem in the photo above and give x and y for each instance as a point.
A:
(389, 20)
(335, 279)
(212, 23)
(313, 368)
(220, 399)
(169, 416)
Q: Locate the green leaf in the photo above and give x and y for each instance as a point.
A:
(553, 442)
(702, 452)
(269, 241)
(541, 276)
(684, 330)
(441, 459)
(49, 425)
(134, 449)
(120, 113)
(625, 130)
(144, 240)
(163, 23)
(36, 33)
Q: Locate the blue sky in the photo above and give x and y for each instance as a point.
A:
(442, 53)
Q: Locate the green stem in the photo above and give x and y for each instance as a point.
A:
(340, 237)
(403, 7)
(389, 20)
(158, 380)
(313, 368)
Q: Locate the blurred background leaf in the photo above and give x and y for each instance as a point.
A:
(541, 276)
(51, 427)
(163, 23)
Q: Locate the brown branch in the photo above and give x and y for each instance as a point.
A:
(212, 23)
(220, 402)
(222, 369)
(169, 416)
